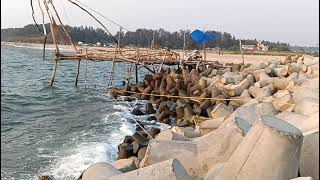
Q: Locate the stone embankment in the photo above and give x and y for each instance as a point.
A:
(228, 121)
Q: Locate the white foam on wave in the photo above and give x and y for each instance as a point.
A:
(70, 167)
(77, 160)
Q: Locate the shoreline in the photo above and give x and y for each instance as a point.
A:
(211, 55)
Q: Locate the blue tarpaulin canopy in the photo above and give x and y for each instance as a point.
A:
(200, 37)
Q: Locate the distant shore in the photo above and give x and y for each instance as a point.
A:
(211, 55)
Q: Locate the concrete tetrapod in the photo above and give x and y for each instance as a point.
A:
(270, 150)
(309, 161)
(200, 155)
(100, 171)
(171, 169)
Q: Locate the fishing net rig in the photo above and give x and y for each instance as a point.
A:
(135, 58)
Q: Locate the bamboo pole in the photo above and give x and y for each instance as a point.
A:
(64, 29)
(54, 42)
(136, 74)
(53, 72)
(204, 51)
(241, 51)
(184, 43)
(78, 72)
(51, 25)
(152, 41)
(85, 75)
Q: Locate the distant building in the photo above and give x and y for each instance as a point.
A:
(98, 44)
(258, 47)
(248, 47)
(80, 43)
(262, 47)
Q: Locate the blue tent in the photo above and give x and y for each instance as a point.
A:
(200, 37)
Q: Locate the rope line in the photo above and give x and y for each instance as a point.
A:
(200, 98)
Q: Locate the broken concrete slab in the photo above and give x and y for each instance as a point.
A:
(252, 158)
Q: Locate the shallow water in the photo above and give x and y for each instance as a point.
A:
(57, 130)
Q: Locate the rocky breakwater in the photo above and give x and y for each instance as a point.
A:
(228, 121)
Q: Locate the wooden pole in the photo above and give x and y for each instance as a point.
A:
(184, 43)
(53, 72)
(204, 51)
(152, 45)
(119, 36)
(51, 26)
(78, 72)
(137, 74)
(85, 75)
(54, 41)
(241, 51)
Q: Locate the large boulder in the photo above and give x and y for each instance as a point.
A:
(221, 110)
(100, 171)
(270, 150)
(214, 171)
(210, 125)
(170, 169)
(307, 106)
(309, 126)
(201, 154)
(309, 161)
(136, 111)
(125, 165)
(169, 135)
(149, 109)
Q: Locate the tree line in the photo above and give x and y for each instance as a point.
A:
(138, 38)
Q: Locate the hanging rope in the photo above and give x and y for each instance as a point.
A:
(95, 19)
(34, 20)
(115, 23)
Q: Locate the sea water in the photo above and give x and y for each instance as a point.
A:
(59, 130)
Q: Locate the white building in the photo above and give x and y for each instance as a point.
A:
(248, 47)
(262, 47)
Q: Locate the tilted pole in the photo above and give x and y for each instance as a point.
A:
(53, 75)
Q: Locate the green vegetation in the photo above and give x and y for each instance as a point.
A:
(140, 37)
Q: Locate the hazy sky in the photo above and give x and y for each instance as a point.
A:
(292, 21)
